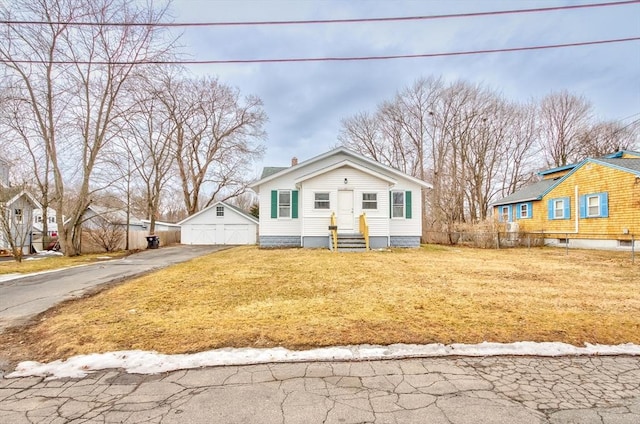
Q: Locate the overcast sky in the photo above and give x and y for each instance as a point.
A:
(306, 101)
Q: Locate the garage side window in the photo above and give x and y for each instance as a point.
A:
(219, 210)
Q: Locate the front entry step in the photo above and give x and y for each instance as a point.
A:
(351, 243)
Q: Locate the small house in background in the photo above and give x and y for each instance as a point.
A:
(219, 223)
(16, 219)
(339, 200)
(160, 226)
(592, 204)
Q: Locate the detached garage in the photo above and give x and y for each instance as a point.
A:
(219, 223)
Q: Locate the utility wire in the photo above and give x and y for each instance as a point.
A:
(320, 59)
(324, 21)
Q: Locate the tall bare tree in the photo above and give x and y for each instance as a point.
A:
(73, 77)
(609, 136)
(218, 136)
(563, 119)
(149, 137)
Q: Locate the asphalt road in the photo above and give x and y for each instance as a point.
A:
(23, 298)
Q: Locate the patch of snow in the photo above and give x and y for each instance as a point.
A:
(50, 253)
(8, 277)
(144, 362)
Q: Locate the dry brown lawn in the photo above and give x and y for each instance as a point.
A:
(303, 298)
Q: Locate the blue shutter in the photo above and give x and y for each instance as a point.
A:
(518, 212)
(530, 209)
(550, 209)
(274, 204)
(567, 208)
(583, 206)
(604, 205)
(294, 204)
(407, 204)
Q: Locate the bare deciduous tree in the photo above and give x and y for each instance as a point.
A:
(218, 136)
(73, 77)
(563, 119)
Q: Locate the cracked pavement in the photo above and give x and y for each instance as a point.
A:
(594, 389)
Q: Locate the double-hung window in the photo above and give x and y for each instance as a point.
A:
(220, 211)
(524, 210)
(595, 205)
(505, 215)
(321, 200)
(284, 204)
(397, 200)
(559, 208)
(17, 213)
(369, 201)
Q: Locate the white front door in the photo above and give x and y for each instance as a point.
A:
(345, 210)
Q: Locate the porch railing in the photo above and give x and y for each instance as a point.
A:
(364, 229)
(333, 228)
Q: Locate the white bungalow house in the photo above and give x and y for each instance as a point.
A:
(219, 223)
(323, 203)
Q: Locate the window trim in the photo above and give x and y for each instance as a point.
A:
(555, 203)
(527, 213)
(219, 209)
(374, 202)
(394, 205)
(505, 213)
(316, 201)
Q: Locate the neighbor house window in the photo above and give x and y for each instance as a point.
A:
(369, 201)
(524, 210)
(219, 210)
(559, 208)
(284, 204)
(321, 200)
(17, 213)
(38, 219)
(52, 219)
(504, 214)
(397, 204)
(594, 205)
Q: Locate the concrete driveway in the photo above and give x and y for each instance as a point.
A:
(24, 297)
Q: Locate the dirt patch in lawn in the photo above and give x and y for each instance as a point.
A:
(306, 298)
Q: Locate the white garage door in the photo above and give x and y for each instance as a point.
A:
(200, 234)
(219, 234)
(235, 234)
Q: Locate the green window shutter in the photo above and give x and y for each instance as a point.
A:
(274, 204)
(407, 204)
(294, 204)
(391, 204)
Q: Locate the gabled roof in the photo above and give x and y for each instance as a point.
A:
(538, 190)
(115, 215)
(621, 153)
(345, 151)
(168, 224)
(558, 169)
(10, 195)
(234, 208)
(270, 170)
(340, 165)
(528, 193)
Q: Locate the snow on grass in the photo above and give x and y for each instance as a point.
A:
(144, 362)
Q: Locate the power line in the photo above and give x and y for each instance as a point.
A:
(325, 21)
(322, 59)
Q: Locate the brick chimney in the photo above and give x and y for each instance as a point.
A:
(294, 161)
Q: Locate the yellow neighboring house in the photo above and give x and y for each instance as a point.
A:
(591, 204)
